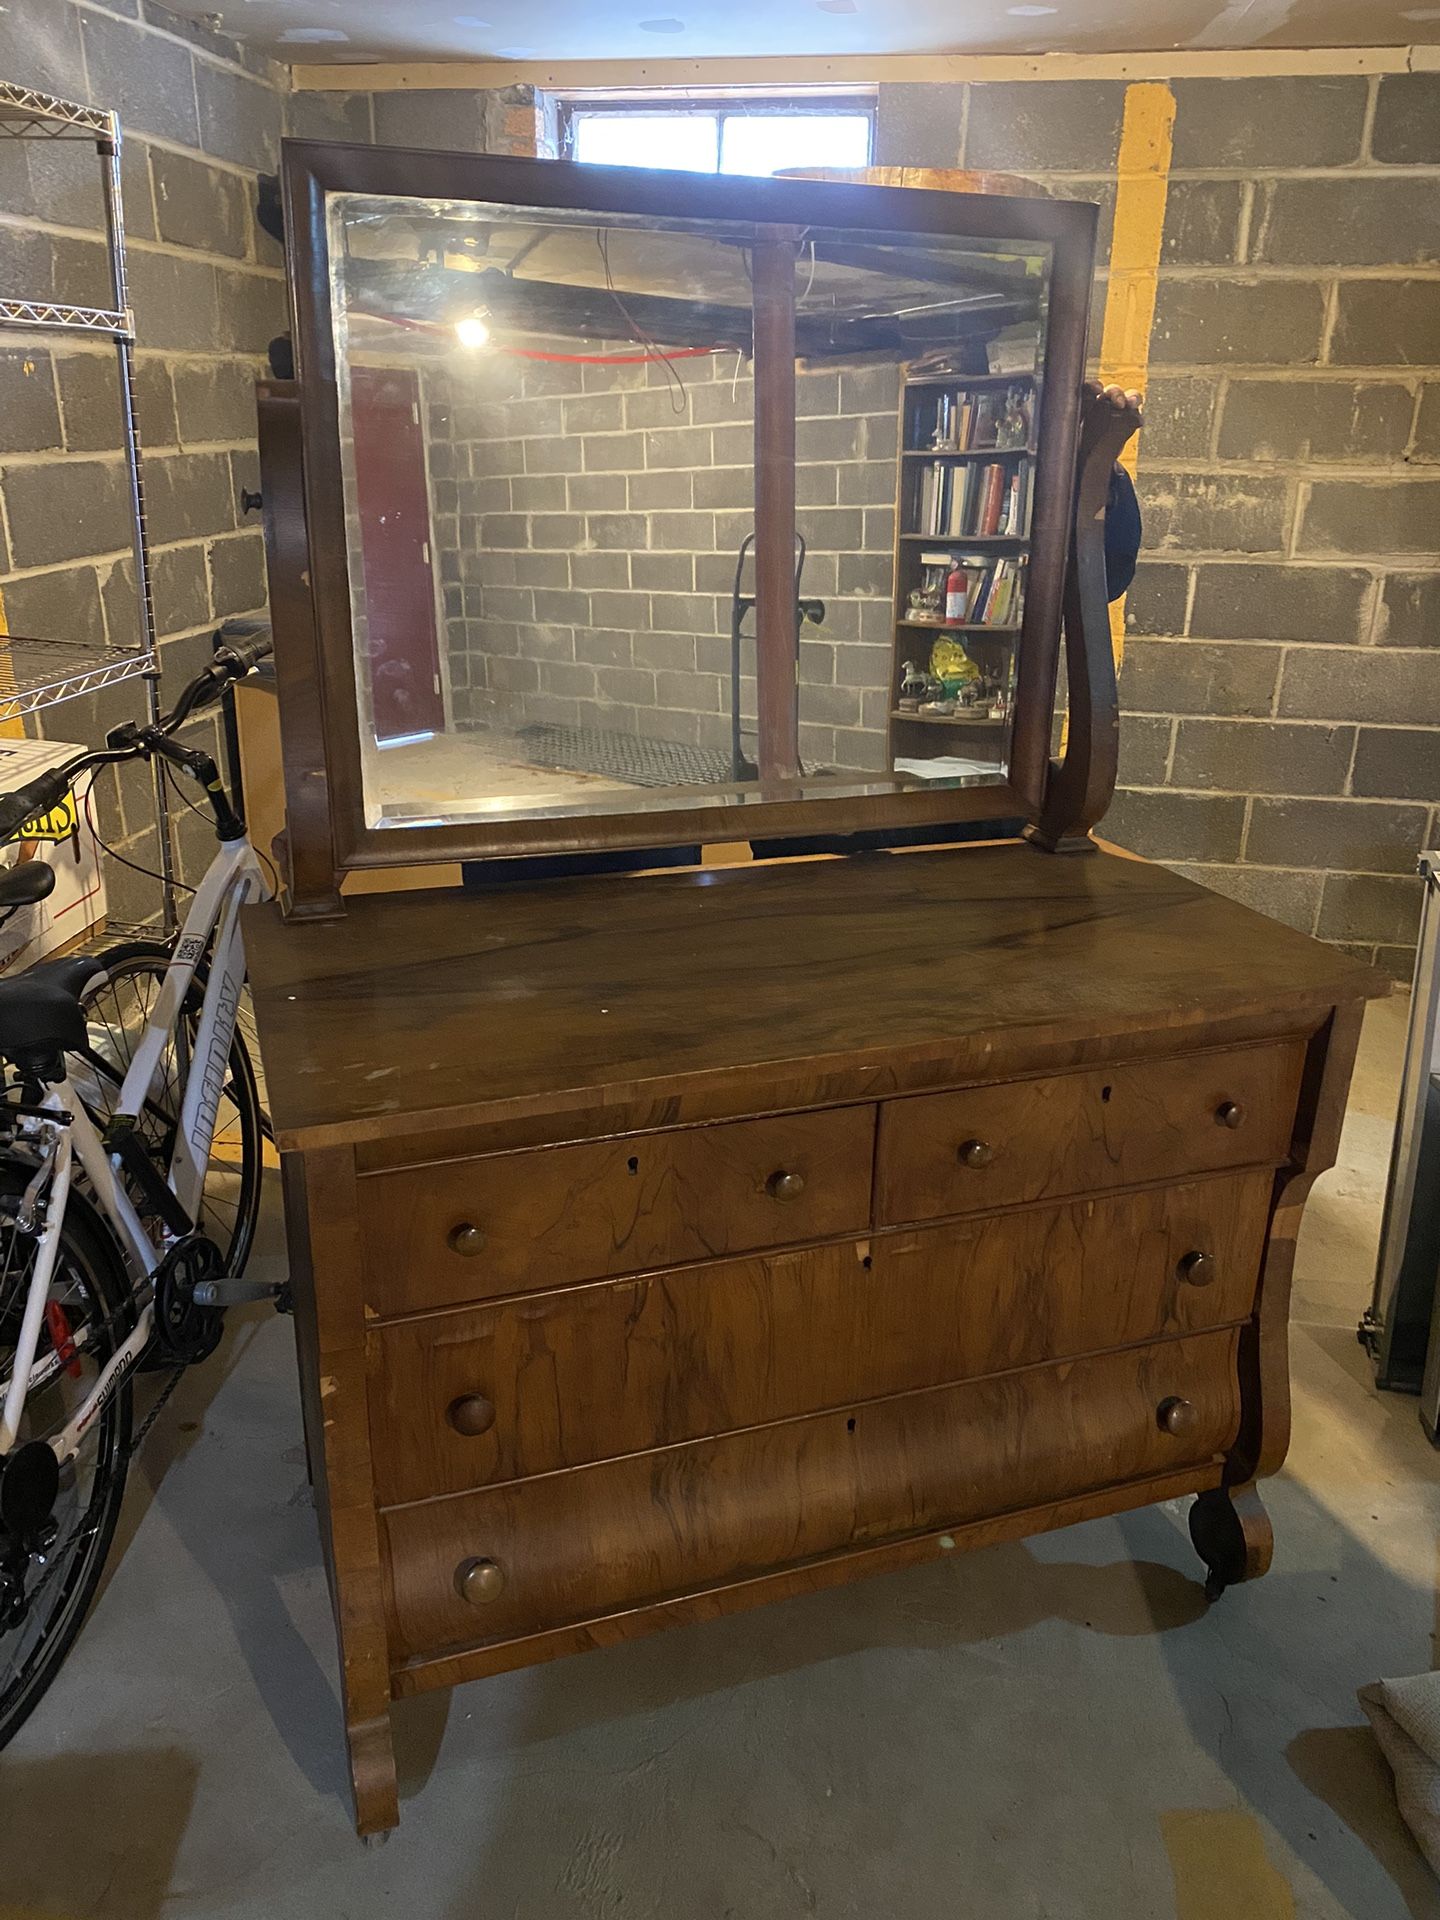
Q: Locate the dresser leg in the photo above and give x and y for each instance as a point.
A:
(372, 1776)
(1231, 1532)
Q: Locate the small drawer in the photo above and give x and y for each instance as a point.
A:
(553, 1380)
(571, 1547)
(1023, 1140)
(465, 1230)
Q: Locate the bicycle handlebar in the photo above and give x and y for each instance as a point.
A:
(39, 795)
(244, 644)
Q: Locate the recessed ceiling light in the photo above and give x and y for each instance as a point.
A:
(1422, 13)
(515, 53)
(311, 36)
(662, 26)
(472, 23)
(1030, 13)
(837, 6)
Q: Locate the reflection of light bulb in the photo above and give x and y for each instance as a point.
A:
(472, 332)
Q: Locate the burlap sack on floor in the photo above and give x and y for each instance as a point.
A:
(1406, 1717)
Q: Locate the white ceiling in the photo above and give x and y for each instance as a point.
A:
(526, 30)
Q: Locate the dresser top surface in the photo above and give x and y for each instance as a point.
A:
(435, 1008)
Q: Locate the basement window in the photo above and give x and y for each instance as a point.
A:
(720, 136)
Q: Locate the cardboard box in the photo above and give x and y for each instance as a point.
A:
(62, 838)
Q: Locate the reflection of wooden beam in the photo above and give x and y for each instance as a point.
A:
(929, 266)
(777, 696)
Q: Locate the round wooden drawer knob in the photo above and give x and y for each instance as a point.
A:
(472, 1414)
(466, 1239)
(1230, 1114)
(785, 1186)
(1178, 1416)
(975, 1153)
(1196, 1269)
(479, 1581)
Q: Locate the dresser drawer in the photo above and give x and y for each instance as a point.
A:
(1023, 1140)
(569, 1547)
(552, 1380)
(473, 1229)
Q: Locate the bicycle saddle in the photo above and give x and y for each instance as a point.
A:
(22, 885)
(40, 1013)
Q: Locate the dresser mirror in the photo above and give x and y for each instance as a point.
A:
(645, 509)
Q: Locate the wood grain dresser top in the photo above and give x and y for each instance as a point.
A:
(424, 1010)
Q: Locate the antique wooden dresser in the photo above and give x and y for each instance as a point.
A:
(671, 1240)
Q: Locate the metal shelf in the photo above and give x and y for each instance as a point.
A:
(35, 674)
(28, 114)
(46, 316)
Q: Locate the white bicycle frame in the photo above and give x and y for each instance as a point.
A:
(212, 926)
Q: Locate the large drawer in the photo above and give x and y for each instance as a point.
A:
(1024, 1140)
(473, 1229)
(560, 1379)
(544, 1553)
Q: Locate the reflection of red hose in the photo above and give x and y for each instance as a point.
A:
(532, 353)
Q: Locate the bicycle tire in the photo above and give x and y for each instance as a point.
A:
(89, 1267)
(231, 1222)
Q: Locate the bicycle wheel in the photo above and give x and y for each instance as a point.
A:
(88, 1315)
(117, 1005)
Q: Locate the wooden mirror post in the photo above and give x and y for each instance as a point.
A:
(777, 691)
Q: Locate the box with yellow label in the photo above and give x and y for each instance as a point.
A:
(64, 840)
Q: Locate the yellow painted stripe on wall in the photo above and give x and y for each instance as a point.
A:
(1142, 181)
(9, 729)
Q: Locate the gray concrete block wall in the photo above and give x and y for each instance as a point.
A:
(200, 116)
(590, 517)
(1281, 685)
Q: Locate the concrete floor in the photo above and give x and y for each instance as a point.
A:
(1046, 1731)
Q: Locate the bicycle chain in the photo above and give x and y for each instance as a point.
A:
(137, 1440)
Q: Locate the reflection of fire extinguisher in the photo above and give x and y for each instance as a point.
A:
(956, 585)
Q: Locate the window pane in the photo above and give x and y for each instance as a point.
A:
(768, 142)
(647, 140)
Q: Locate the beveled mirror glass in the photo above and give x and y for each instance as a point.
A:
(548, 459)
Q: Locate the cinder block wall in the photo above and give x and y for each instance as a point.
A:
(588, 519)
(1281, 684)
(201, 116)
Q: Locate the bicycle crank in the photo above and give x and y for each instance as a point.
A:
(185, 1329)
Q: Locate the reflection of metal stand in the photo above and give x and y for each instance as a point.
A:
(1402, 1328)
(743, 768)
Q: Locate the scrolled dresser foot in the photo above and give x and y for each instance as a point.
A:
(1231, 1532)
(372, 1777)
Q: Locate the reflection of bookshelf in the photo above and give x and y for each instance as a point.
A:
(965, 485)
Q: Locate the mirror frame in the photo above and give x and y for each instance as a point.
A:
(315, 655)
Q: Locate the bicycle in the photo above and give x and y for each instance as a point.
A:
(108, 1183)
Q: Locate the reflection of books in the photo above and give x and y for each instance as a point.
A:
(994, 589)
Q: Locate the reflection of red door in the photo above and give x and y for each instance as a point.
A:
(393, 496)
